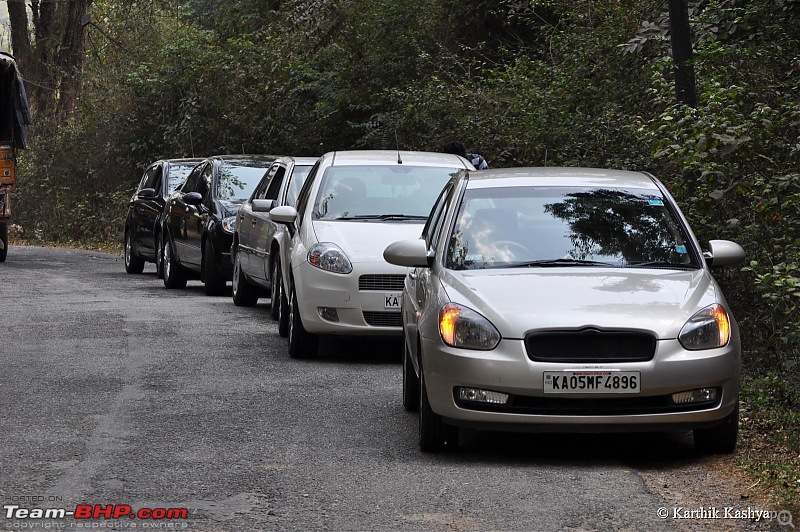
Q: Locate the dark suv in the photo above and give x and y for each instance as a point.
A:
(146, 208)
(199, 220)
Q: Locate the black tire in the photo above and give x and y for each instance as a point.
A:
(719, 439)
(174, 276)
(434, 434)
(410, 381)
(302, 344)
(244, 294)
(214, 282)
(133, 263)
(283, 307)
(158, 245)
(4, 239)
(275, 289)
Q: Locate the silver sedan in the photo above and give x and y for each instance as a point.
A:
(566, 299)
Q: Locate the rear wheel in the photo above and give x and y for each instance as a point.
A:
(434, 434)
(133, 263)
(283, 306)
(214, 282)
(4, 240)
(275, 289)
(174, 276)
(410, 381)
(720, 439)
(302, 344)
(244, 294)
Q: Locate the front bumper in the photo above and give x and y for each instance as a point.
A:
(359, 312)
(507, 369)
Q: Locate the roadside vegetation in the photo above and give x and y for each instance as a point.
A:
(525, 83)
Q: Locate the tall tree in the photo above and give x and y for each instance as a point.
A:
(681, 40)
(51, 54)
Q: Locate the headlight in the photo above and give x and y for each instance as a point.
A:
(229, 224)
(707, 329)
(463, 327)
(330, 257)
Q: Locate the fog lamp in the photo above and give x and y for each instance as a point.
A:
(482, 396)
(702, 395)
(328, 314)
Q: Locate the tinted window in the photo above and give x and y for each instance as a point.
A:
(363, 191)
(236, 182)
(498, 227)
(296, 180)
(192, 181)
(178, 172)
(275, 183)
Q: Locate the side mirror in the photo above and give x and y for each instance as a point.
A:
(723, 253)
(264, 205)
(410, 253)
(283, 215)
(147, 193)
(193, 198)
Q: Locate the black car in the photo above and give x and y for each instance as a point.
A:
(258, 241)
(199, 220)
(145, 210)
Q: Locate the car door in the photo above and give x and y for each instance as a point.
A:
(197, 217)
(146, 209)
(267, 228)
(178, 214)
(246, 224)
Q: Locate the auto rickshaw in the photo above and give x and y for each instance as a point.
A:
(14, 118)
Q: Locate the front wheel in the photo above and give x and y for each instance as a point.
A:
(720, 439)
(174, 276)
(4, 240)
(133, 263)
(302, 344)
(244, 294)
(434, 434)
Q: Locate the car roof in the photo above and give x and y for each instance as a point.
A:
(560, 176)
(299, 161)
(187, 160)
(415, 158)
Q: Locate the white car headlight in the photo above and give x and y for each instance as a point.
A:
(707, 329)
(463, 327)
(330, 257)
(229, 224)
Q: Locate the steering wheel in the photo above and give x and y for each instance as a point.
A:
(517, 250)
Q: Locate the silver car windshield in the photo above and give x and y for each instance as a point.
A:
(379, 192)
(567, 226)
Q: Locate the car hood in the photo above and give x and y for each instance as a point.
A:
(365, 241)
(517, 301)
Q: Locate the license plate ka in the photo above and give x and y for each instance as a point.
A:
(592, 382)
(392, 300)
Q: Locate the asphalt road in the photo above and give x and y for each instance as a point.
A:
(116, 391)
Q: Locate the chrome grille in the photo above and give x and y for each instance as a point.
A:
(381, 282)
(383, 319)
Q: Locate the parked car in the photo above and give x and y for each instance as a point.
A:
(199, 220)
(352, 205)
(143, 223)
(257, 240)
(570, 300)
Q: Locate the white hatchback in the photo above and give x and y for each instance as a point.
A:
(352, 205)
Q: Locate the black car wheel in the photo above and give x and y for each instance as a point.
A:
(174, 276)
(283, 305)
(410, 381)
(720, 439)
(133, 263)
(4, 239)
(244, 294)
(214, 282)
(434, 434)
(275, 289)
(159, 247)
(302, 344)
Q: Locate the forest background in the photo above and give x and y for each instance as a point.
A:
(115, 85)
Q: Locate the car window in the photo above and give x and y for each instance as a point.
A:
(296, 180)
(144, 178)
(153, 178)
(437, 213)
(236, 181)
(261, 189)
(204, 183)
(501, 227)
(192, 181)
(379, 190)
(305, 193)
(436, 228)
(275, 183)
(178, 172)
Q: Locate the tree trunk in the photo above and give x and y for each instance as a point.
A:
(72, 55)
(681, 40)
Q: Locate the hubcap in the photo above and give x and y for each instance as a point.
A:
(291, 317)
(127, 249)
(167, 259)
(236, 274)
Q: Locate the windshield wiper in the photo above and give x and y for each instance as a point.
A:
(659, 263)
(383, 217)
(560, 262)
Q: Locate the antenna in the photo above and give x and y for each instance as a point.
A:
(397, 143)
(545, 156)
